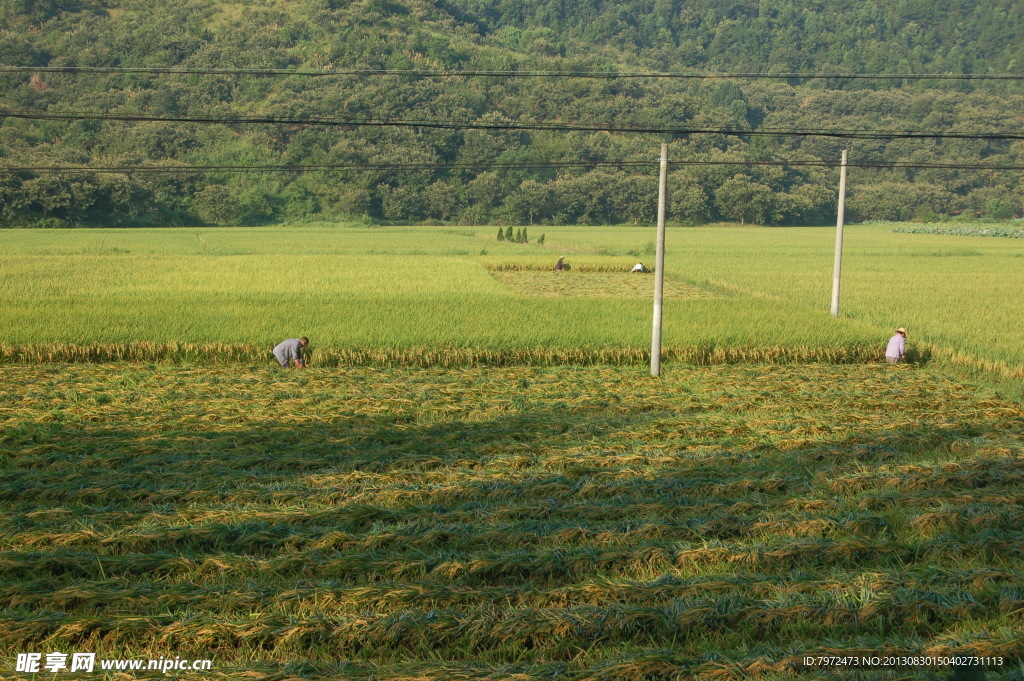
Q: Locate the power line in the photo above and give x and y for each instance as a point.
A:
(442, 73)
(493, 166)
(326, 167)
(471, 125)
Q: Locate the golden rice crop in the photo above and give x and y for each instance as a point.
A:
(239, 353)
(536, 522)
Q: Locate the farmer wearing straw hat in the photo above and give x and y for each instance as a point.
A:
(897, 348)
(559, 266)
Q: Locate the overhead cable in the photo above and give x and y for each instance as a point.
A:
(539, 126)
(171, 169)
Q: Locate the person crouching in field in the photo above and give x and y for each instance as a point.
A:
(289, 351)
(897, 348)
(561, 264)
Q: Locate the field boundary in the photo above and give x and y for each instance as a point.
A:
(228, 353)
(574, 268)
(455, 357)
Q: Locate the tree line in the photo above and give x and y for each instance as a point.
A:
(504, 176)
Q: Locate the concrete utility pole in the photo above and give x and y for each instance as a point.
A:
(659, 266)
(838, 268)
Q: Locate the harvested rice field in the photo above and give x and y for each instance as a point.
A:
(581, 523)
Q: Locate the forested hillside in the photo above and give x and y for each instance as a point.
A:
(495, 174)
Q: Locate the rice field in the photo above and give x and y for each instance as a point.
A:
(583, 284)
(960, 295)
(356, 301)
(460, 295)
(476, 479)
(582, 523)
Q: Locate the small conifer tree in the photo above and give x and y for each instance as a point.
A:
(526, 238)
(540, 241)
(508, 233)
(519, 236)
(501, 234)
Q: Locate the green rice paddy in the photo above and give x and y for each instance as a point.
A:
(477, 479)
(403, 289)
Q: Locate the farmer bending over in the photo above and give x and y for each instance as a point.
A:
(291, 350)
(897, 347)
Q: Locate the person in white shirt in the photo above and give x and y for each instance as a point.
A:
(897, 347)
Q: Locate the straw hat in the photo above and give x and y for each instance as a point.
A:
(901, 330)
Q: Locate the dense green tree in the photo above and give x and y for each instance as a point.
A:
(898, 201)
(742, 199)
(490, 173)
(531, 202)
(442, 201)
(214, 204)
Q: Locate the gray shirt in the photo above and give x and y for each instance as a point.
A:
(288, 350)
